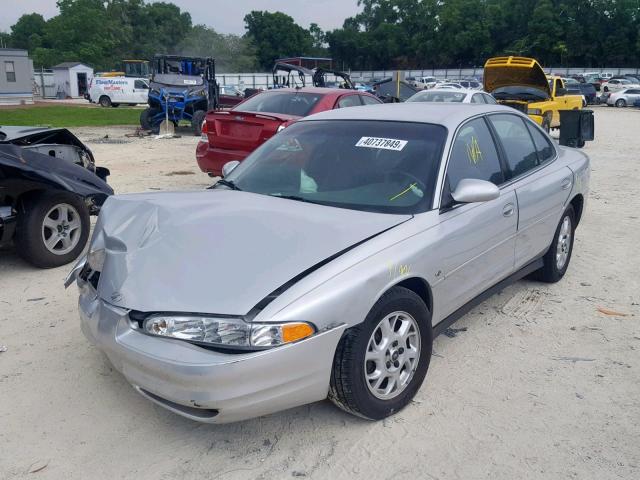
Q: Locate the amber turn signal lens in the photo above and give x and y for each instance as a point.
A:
(293, 332)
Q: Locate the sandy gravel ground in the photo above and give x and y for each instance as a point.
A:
(540, 385)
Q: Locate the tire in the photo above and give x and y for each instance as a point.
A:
(32, 233)
(621, 103)
(546, 123)
(104, 101)
(196, 121)
(146, 116)
(350, 389)
(552, 272)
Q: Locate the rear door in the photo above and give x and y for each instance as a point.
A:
(542, 185)
(478, 239)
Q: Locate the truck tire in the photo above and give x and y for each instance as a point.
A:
(196, 122)
(146, 117)
(53, 229)
(104, 101)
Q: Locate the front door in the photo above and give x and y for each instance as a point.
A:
(478, 239)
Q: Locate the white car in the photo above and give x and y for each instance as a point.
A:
(617, 85)
(452, 95)
(112, 91)
(424, 82)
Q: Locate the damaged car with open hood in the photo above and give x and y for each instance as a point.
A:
(521, 83)
(49, 186)
(326, 262)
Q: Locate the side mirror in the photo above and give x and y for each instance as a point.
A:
(561, 92)
(228, 167)
(471, 190)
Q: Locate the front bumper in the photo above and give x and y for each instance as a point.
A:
(205, 385)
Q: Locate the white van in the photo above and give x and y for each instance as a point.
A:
(112, 91)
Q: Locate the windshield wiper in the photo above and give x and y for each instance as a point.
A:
(297, 198)
(228, 184)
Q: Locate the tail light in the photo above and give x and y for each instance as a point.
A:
(203, 132)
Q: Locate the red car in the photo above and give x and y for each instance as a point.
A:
(234, 134)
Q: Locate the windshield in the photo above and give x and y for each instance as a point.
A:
(177, 80)
(288, 103)
(380, 166)
(438, 96)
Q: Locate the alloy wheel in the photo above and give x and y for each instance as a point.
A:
(564, 243)
(61, 229)
(392, 355)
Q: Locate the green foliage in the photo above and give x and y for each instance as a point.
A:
(386, 34)
(467, 32)
(276, 35)
(69, 116)
(102, 33)
(232, 53)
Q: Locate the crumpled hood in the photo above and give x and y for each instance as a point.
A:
(217, 251)
(514, 72)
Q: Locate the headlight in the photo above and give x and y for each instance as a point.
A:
(534, 111)
(227, 332)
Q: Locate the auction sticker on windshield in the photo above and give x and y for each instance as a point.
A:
(383, 143)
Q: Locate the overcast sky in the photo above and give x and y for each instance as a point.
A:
(225, 16)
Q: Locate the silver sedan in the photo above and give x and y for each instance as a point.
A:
(325, 263)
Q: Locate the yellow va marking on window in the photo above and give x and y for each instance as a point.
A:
(413, 185)
(473, 151)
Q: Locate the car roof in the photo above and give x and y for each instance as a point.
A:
(468, 91)
(322, 90)
(448, 114)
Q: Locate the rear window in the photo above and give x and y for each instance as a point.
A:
(287, 103)
(438, 96)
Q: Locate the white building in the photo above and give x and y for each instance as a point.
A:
(72, 79)
(16, 77)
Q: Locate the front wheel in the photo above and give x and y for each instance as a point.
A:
(146, 118)
(53, 229)
(621, 103)
(381, 363)
(556, 260)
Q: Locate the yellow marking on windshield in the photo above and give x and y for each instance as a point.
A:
(474, 152)
(408, 189)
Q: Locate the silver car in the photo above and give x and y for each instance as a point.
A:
(624, 98)
(326, 262)
(456, 95)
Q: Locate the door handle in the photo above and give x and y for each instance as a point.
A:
(566, 183)
(508, 210)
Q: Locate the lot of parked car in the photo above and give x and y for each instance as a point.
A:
(548, 341)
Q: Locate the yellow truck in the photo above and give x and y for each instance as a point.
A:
(521, 83)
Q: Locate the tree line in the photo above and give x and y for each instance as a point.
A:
(386, 34)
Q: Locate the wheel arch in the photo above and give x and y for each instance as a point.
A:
(577, 203)
(420, 287)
